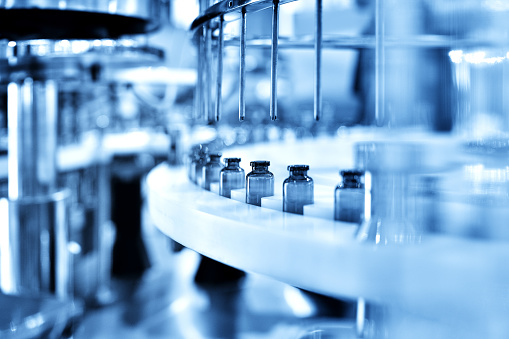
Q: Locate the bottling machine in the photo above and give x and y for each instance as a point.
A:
(406, 97)
(429, 135)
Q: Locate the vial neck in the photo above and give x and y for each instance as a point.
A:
(352, 183)
(260, 168)
(232, 164)
(298, 173)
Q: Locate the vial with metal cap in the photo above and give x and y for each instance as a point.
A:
(231, 177)
(211, 171)
(259, 183)
(349, 197)
(298, 189)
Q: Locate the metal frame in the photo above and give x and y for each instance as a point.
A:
(230, 10)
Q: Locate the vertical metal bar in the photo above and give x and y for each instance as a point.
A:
(274, 57)
(219, 80)
(208, 74)
(198, 97)
(380, 64)
(47, 101)
(318, 60)
(14, 106)
(201, 79)
(360, 318)
(242, 75)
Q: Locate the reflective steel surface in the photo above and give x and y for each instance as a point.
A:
(67, 19)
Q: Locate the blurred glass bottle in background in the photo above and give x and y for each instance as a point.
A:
(392, 175)
(259, 182)
(175, 148)
(197, 165)
(211, 171)
(349, 197)
(231, 177)
(191, 159)
(298, 189)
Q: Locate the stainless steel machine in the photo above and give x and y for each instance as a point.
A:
(430, 134)
(58, 64)
(410, 93)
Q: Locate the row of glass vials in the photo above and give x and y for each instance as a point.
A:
(298, 189)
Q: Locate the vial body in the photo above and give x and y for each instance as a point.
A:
(231, 177)
(298, 190)
(199, 160)
(192, 158)
(259, 183)
(211, 171)
(199, 164)
(349, 197)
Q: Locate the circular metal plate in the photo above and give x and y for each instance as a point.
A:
(71, 19)
(50, 59)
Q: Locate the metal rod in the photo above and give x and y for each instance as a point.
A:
(242, 75)
(274, 56)
(208, 75)
(380, 118)
(198, 97)
(219, 83)
(360, 318)
(318, 60)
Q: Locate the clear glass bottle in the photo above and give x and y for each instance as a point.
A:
(231, 177)
(349, 197)
(192, 158)
(211, 171)
(259, 182)
(197, 167)
(391, 174)
(298, 189)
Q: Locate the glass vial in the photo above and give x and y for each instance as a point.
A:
(211, 171)
(197, 167)
(298, 189)
(192, 157)
(259, 183)
(231, 177)
(349, 197)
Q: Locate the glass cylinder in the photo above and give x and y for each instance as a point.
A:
(191, 159)
(231, 177)
(211, 171)
(35, 245)
(349, 197)
(259, 183)
(393, 176)
(198, 162)
(298, 189)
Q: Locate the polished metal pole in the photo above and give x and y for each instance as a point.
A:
(318, 60)
(242, 75)
(207, 59)
(219, 77)
(274, 60)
